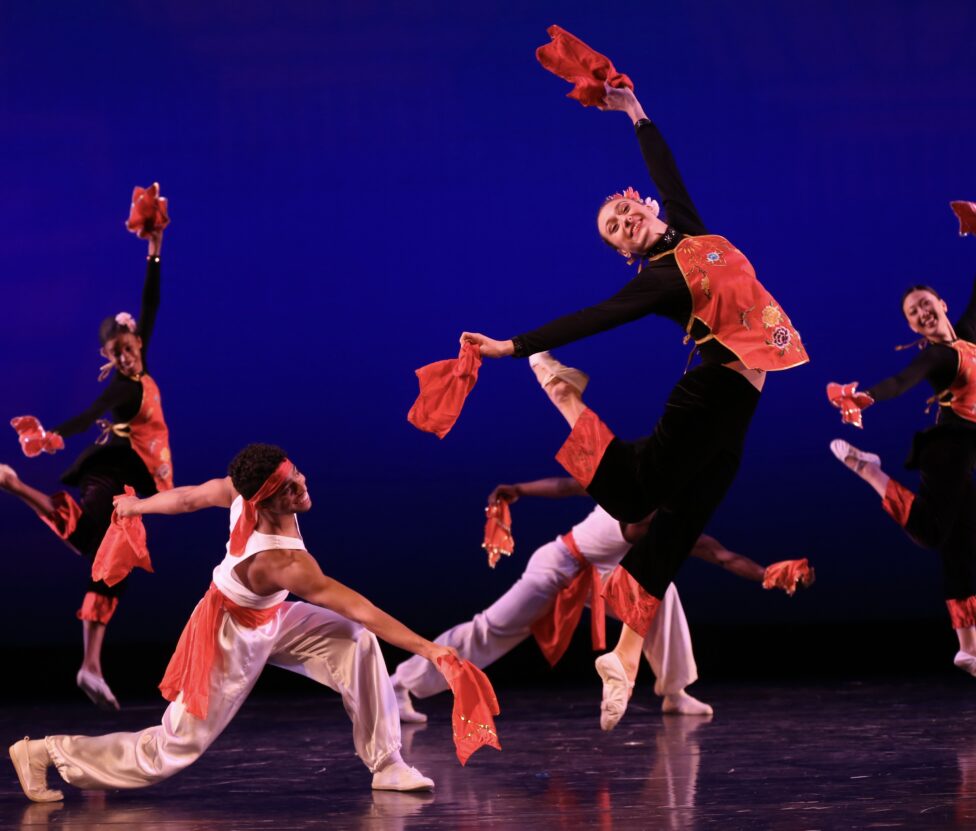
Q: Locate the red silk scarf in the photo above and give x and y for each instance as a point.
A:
(475, 705)
(585, 68)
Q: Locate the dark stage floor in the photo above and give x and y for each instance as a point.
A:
(900, 754)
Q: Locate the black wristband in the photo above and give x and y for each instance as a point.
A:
(640, 123)
(519, 351)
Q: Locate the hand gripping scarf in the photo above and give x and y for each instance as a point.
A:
(149, 211)
(586, 69)
(474, 706)
(248, 520)
(444, 385)
(788, 575)
(123, 548)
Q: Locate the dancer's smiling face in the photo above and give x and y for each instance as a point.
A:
(925, 312)
(629, 226)
(124, 351)
(291, 498)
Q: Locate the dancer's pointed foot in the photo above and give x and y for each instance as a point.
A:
(31, 761)
(96, 689)
(682, 704)
(857, 460)
(408, 715)
(965, 662)
(8, 476)
(549, 371)
(617, 689)
(399, 776)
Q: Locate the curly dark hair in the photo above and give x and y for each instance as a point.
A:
(250, 468)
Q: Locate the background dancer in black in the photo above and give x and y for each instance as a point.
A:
(685, 467)
(102, 471)
(943, 513)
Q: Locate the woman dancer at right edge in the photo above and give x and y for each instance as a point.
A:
(943, 513)
(683, 469)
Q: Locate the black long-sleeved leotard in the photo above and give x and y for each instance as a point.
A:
(937, 364)
(659, 288)
(123, 396)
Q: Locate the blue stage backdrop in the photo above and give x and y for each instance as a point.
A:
(354, 183)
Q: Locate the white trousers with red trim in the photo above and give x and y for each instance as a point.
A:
(508, 621)
(306, 639)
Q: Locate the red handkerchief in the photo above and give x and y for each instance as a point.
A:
(444, 385)
(34, 439)
(149, 211)
(123, 548)
(474, 706)
(788, 575)
(498, 531)
(586, 69)
(966, 212)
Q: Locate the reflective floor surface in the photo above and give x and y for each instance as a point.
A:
(898, 754)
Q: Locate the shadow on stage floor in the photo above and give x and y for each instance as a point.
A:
(894, 754)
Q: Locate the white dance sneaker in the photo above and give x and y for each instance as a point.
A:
(408, 715)
(399, 776)
(852, 457)
(682, 704)
(616, 690)
(553, 370)
(965, 662)
(96, 689)
(31, 764)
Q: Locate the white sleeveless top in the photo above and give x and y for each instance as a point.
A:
(599, 536)
(229, 584)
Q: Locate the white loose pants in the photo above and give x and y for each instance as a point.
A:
(508, 622)
(303, 638)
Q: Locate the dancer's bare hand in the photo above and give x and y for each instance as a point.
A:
(156, 243)
(624, 100)
(436, 652)
(490, 348)
(126, 505)
(509, 493)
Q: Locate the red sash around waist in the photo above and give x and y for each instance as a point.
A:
(189, 668)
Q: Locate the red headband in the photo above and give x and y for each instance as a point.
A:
(248, 519)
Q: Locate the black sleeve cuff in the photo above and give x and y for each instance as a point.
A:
(520, 351)
(641, 122)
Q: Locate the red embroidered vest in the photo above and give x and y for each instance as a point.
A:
(149, 436)
(963, 389)
(732, 303)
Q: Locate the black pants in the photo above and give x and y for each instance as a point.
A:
(681, 471)
(943, 515)
(103, 476)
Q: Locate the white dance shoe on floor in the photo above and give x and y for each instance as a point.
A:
(31, 761)
(399, 776)
(552, 370)
(852, 457)
(965, 662)
(96, 689)
(682, 704)
(408, 715)
(617, 690)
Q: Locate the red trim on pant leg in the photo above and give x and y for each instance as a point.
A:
(630, 601)
(898, 502)
(97, 608)
(64, 520)
(581, 453)
(962, 613)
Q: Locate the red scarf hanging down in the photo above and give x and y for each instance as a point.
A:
(34, 439)
(248, 519)
(66, 514)
(498, 531)
(474, 705)
(788, 575)
(966, 212)
(572, 60)
(554, 630)
(444, 385)
(189, 668)
(149, 211)
(123, 548)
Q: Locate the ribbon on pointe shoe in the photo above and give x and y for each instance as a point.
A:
(148, 213)
(444, 386)
(498, 531)
(34, 439)
(585, 68)
(475, 705)
(788, 575)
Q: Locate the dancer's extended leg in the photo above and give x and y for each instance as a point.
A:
(865, 465)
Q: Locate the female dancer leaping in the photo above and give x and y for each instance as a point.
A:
(943, 513)
(682, 470)
(134, 450)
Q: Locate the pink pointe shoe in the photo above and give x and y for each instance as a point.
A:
(96, 689)
(617, 689)
(552, 370)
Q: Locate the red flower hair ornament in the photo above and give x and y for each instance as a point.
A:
(631, 193)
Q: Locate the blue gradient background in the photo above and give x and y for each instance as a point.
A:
(352, 184)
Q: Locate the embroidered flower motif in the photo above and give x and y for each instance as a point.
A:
(706, 287)
(713, 256)
(780, 337)
(126, 320)
(771, 316)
